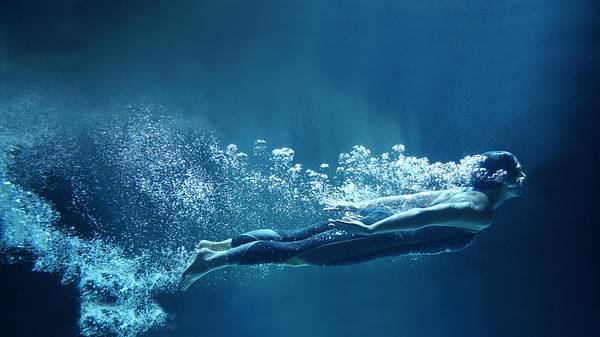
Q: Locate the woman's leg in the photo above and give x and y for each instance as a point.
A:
(214, 245)
(281, 235)
(370, 216)
(336, 247)
(270, 246)
(265, 235)
(333, 247)
(367, 248)
(258, 252)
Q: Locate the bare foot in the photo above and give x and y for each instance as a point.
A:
(196, 269)
(204, 262)
(212, 245)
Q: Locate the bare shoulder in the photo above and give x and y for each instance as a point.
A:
(479, 199)
(482, 211)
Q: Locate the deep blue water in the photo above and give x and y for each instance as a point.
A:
(111, 113)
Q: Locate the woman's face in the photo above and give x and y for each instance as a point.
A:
(514, 185)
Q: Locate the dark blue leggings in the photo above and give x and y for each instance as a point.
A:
(320, 244)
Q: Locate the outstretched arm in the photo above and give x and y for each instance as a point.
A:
(465, 215)
(421, 199)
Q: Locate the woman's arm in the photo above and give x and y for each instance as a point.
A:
(421, 199)
(464, 215)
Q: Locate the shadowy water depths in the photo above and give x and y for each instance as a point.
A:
(445, 78)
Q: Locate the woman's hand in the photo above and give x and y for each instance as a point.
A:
(351, 226)
(340, 205)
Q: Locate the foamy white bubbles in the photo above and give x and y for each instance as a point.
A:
(142, 188)
(115, 290)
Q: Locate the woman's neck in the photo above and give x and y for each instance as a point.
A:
(497, 196)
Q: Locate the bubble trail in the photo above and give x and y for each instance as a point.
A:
(116, 201)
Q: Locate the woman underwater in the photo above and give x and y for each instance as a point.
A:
(445, 221)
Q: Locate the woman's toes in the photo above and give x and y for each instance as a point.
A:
(204, 244)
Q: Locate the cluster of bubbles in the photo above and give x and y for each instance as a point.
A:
(116, 202)
(283, 191)
(115, 289)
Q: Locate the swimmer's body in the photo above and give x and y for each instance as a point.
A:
(442, 221)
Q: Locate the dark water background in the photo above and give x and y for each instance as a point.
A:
(446, 78)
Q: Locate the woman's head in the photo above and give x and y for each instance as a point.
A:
(499, 169)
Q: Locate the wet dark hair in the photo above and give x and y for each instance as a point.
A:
(495, 169)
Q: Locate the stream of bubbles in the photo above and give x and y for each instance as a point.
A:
(115, 200)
